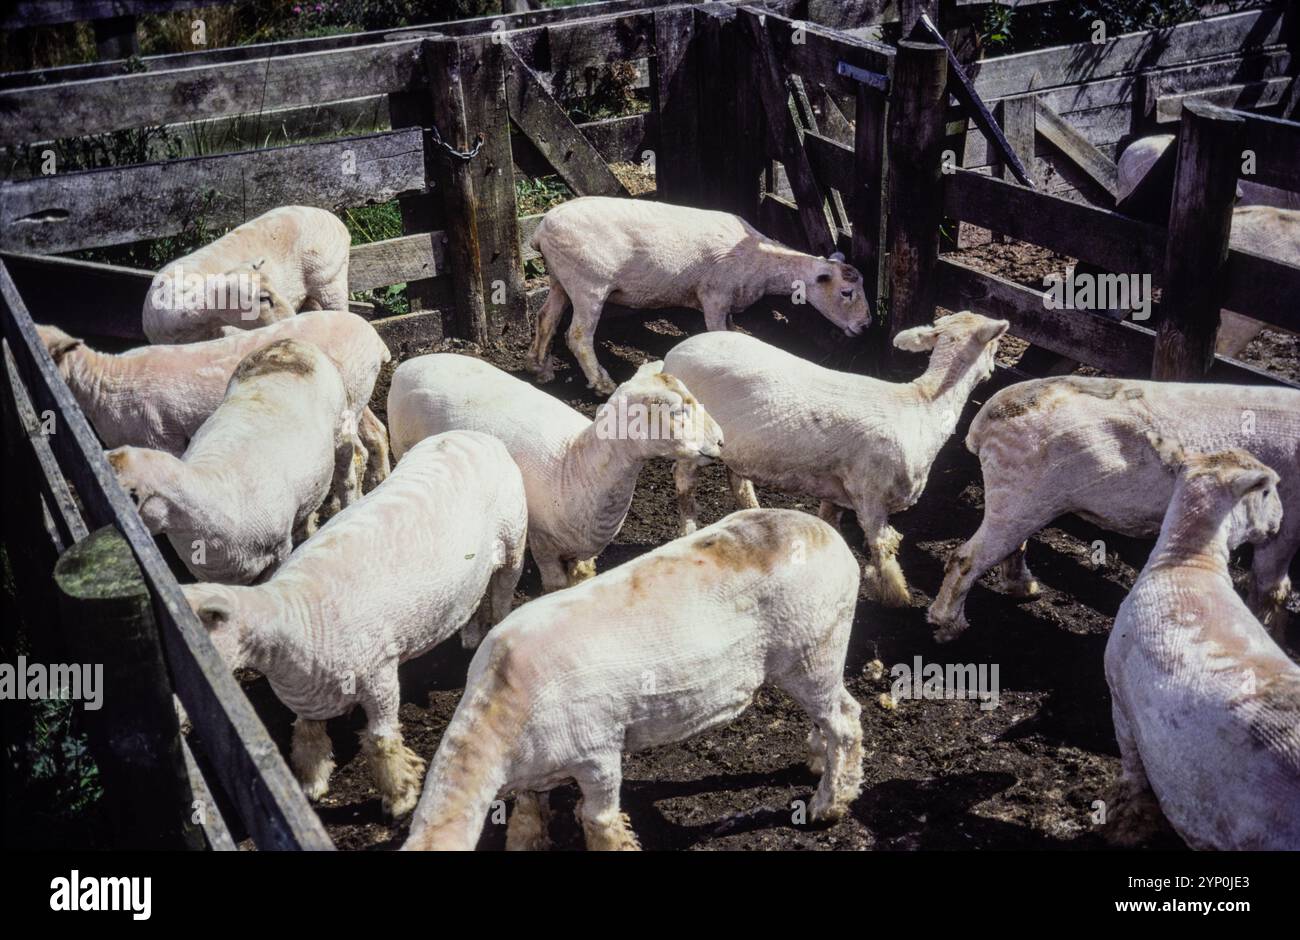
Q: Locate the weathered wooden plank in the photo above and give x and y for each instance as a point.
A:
(397, 261)
(805, 117)
(831, 161)
(1077, 148)
(624, 139)
(129, 204)
(783, 134)
(1200, 221)
(1261, 94)
(26, 13)
(1226, 71)
(1126, 54)
(814, 52)
(1263, 288)
(549, 129)
(92, 106)
(869, 197)
(1106, 239)
(93, 299)
(250, 768)
(210, 818)
(779, 218)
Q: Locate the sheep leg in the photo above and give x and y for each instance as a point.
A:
(742, 490)
(374, 437)
(549, 566)
(345, 487)
(716, 314)
(605, 827)
(496, 602)
(333, 296)
(526, 830)
(396, 770)
(884, 577)
(1135, 814)
(304, 529)
(1270, 583)
(1016, 578)
(312, 757)
(829, 512)
(837, 733)
(581, 338)
(993, 541)
(539, 355)
(685, 474)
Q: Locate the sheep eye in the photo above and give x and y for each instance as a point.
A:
(847, 294)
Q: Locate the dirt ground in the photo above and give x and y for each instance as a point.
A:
(938, 774)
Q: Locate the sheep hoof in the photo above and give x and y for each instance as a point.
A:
(890, 590)
(950, 632)
(830, 810)
(1025, 588)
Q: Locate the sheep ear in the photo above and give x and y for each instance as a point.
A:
(650, 368)
(917, 339)
(836, 256)
(1169, 450)
(987, 334)
(58, 343)
(214, 613)
(1244, 482)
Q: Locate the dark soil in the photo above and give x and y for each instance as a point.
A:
(938, 774)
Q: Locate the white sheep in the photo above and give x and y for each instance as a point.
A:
(289, 259)
(652, 652)
(158, 396)
(251, 480)
(1206, 705)
(850, 440)
(382, 582)
(1074, 444)
(651, 254)
(580, 474)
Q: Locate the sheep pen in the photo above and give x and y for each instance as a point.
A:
(779, 112)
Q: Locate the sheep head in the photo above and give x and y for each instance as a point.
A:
(217, 607)
(142, 472)
(837, 292)
(660, 417)
(965, 338)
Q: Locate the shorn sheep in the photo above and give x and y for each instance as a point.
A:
(1206, 705)
(850, 440)
(580, 475)
(382, 582)
(158, 396)
(250, 482)
(650, 254)
(289, 259)
(654, 651)
(1074, 444)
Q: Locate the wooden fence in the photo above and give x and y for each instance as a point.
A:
(817, 136)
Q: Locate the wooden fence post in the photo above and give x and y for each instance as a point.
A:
(1200, 221)
(674, 92)
(869, 204)
(454, 178)
(500, 262)
(108, 621)
(916, 129)
(909, 14)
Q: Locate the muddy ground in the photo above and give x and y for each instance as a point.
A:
(938, 774)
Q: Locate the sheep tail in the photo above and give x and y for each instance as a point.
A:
(471, 764)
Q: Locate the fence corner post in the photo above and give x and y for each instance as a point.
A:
(1196, 253)
(455, 180)
(109, 624)
(916, 130)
